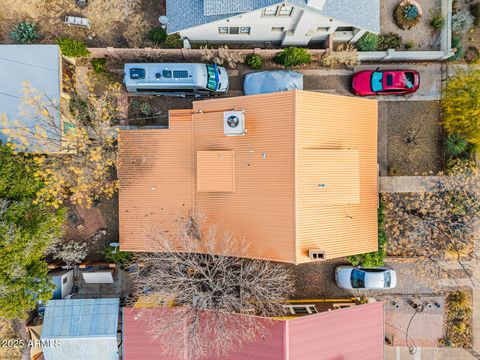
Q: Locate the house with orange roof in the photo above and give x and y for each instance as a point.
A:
(294, 173)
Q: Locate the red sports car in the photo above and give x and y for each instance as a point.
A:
(385, 82)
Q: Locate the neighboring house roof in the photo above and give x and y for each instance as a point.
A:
(364, 14)
(85, 328)
(355, 333)
(304, 175)
(38, 65)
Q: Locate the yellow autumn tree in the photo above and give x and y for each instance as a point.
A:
(73, 143)
(461, 105)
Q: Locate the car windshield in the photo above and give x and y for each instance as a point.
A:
(212, 77)
(357, 279)
(409, 80)
(377, 78)
(388, 279)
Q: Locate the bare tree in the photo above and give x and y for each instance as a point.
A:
(437, 224)
(196, 272)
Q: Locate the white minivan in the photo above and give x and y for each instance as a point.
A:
(176, 79)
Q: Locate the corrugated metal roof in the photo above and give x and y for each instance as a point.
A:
(274, 205)
(38, 65)
(352, 333)
(215, 171)
(80, 318)
(328, 177)
(156, 178)
(85, 328)
(360, 13)
(338, 122)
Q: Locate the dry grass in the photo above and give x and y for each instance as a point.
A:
(117, 23)
(8, 332)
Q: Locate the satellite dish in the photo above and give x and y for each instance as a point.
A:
(163, 20)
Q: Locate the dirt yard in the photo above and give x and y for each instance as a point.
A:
(472, 38)
(415, 138)
(422, 35)
(117, 23)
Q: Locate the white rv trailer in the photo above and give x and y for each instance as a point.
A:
(176, 79)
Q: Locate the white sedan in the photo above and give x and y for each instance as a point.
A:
(350, 277)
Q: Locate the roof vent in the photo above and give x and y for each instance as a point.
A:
(316, 255)
(234, 123)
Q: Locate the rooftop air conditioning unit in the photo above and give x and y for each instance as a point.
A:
(316, 255)
(234, 123)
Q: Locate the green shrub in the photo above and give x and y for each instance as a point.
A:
(157, 35)
(475, 11)
(254, 61)
(173, 41)
(121, 258)
(79, 108)
(73, 48)
(99, 65)
(409, 44)
(374, 259)
(462, 21)
(24, 32)
(389, 41)
(457, 44)
(437, 20)
(292, 56)
(146, 109)
(368, 42)
(456, 145)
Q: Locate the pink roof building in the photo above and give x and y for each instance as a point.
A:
(355, 333)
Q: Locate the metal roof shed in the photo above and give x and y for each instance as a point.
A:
(86, 329)
(36, 65)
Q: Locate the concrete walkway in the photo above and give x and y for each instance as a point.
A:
(398, 184)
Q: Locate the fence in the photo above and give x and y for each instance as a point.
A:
(176, 55)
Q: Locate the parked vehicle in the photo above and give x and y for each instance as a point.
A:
(385, 82)
(264, 82)
(176, 79)
(351, 277)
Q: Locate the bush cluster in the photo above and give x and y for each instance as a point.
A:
(368, 42)
(389, 41)
(292, 56)
(73, 48)
(471, 55)
(173, 41)
(157, 35)
(437, 20)
(459, 314)
(24, 32)
(254, 61)
(462, 21)
(374, 259)
(99, 65)
(460, 51)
